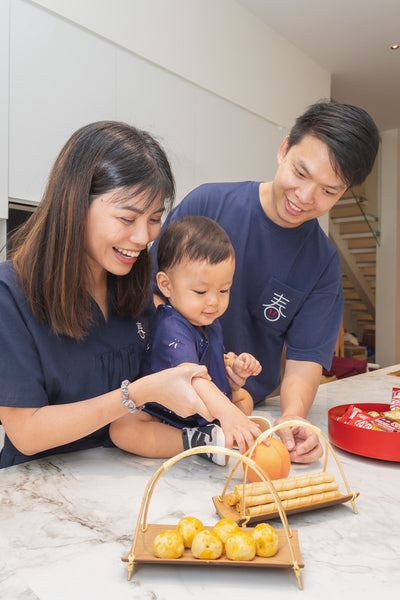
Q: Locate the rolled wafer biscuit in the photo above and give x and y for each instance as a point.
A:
(232, 499)
(261, 509)
(289, 483)
(289, 494)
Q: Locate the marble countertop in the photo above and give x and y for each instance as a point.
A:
(66, 521)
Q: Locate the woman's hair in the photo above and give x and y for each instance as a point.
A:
(348, 131)
(49, 249)
(193, 238)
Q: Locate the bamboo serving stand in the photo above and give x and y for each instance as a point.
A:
(288, 537)
(243, 519)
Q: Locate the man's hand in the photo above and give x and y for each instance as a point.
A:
(303, 444)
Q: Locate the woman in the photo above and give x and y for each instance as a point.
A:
(75, 306)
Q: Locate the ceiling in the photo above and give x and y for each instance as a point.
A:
(349, 38)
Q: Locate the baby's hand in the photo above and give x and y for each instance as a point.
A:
(237, 427)
(245, 365)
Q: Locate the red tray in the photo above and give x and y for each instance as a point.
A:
(384, 445)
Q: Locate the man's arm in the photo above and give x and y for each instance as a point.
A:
(299, 385)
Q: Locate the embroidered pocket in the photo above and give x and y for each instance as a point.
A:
(277, 305)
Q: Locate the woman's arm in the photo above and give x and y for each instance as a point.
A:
(34, 430)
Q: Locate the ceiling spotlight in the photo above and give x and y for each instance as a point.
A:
(395, 46)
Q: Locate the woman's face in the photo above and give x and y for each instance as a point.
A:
(118, 228)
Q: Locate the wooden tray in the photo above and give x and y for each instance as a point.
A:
(141, 550)
(283, 558)
(227, 511)
(224, 509)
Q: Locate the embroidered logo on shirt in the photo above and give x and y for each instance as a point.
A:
(140, 330)
(174, 343)
(274, 310)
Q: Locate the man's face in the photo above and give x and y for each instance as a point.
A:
(305, 185)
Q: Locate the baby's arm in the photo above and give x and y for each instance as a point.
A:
(242, 399)
(172, 345)
(235, 424)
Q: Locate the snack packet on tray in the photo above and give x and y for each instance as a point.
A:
(395, 403)
(392, 414)
(369, 420)
(383, 421)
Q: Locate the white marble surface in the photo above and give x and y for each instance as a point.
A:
(66, 521)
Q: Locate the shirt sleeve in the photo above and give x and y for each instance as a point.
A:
(173, 343)
(21, 375)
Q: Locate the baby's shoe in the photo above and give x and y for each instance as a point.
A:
(208, 435)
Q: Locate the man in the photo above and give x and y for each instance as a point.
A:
(287, 290)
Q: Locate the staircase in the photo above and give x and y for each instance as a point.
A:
(351, 229)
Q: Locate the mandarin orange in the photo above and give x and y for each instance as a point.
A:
(274, 460)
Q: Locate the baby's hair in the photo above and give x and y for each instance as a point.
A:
(193, 238)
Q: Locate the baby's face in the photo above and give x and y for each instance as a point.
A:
(200, 290)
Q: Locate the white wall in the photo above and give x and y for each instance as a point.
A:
(209, 80)
(215, 44)
(388, 255)
(4, 61)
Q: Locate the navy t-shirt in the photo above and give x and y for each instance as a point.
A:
(173, 341)
(287, 287)
(38, 368)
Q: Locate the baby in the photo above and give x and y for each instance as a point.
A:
(196, 263)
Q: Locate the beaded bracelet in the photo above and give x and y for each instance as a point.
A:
(126, 401)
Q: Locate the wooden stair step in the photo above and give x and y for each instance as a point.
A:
(347, 284)
(369, 271)
(365, 318)
(350, 199)
(357, 227)
(364, 242)
(348, 210)
(351, 295)
(354, 219)
(358, 306)
(360, 251)
(365, 257)
(357, 235)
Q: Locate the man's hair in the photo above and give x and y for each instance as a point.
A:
(348, 131)
(49, 249)
(193, 238)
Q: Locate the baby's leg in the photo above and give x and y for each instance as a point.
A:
(145, 435)
(242, 399)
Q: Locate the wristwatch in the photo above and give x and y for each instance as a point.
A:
(126, 401)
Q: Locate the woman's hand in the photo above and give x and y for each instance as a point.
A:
(303, 444)
(173, 389)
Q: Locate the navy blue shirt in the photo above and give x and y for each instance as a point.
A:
(287, 287)
(39, 368)
(173, 341)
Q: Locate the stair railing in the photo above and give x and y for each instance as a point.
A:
(368, 218)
